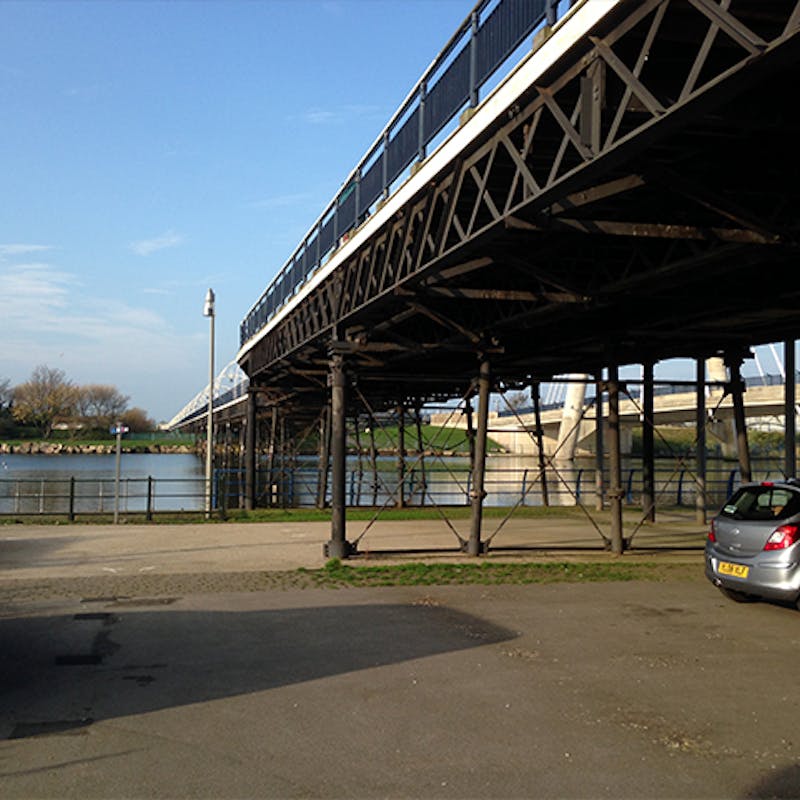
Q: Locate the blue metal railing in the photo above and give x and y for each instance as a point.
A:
(484, 41)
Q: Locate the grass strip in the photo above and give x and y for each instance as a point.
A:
(337, 574)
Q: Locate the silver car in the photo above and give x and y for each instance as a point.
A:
(753, 547)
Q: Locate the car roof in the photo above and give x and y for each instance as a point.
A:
(790, 483)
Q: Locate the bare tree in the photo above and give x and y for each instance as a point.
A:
(99, 405)
(47, 397)
(517, 401)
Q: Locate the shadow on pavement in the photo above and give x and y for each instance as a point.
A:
(59, 673)
(784, 783)
(21, 552)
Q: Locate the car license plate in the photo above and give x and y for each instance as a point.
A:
(737, 570)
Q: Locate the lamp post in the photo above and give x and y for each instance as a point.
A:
(208, 311)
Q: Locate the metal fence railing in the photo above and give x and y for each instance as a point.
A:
(72, 497)
(485, 40)
(298, 487)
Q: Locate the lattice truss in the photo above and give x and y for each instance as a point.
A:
(614, 178)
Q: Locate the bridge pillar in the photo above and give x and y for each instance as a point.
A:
(722, 429)
(474, 545)
(570, 418)
(615, 492)
(737, 389)
(250, 452)
(648, 450)
(338, 546)
(700, 422)
(790, 414)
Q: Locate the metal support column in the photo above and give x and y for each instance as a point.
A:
(648, 450)
(790, 413)
(324, 455)
(421, 451)
(400, 497)
(474, 545)
(470, 435)
(250, 453)
(373, 460)
(537, 417)
(700, 496)
(282, 449)
(599, 446)
(737, 389)
(338, 546)
(273, 437)
(615, 492)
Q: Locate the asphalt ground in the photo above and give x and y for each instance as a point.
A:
(137, 661)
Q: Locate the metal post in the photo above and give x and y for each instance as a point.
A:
(117, 462)
(400, 500)
(273, 437)
(338, 546)
(790, 414)
(324, 455)
(421, 144)
(282, 483)
(250, 453)
(358, 197)
(149, 511)
(474, 546)
(648, 451)
(615, 492)
(421, 449)
(240, 468)
(473, 61)
(72, 499)
(385, 165)
(598, 444)
(209, 312)
(373, 460)
(700, 497)
(358, 478)
(737, 389)
(537, 417)
(470, 435)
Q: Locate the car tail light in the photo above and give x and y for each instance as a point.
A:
(783, 537)
(712, 532)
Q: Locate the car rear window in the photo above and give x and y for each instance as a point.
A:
(762, 503)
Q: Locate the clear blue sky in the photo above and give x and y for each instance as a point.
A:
(150, 149)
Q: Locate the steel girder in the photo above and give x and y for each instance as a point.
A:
(645, 164)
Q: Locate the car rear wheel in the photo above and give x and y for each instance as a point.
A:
(737, 596)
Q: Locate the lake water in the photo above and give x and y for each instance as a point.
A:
(32, 484)
(41, 483)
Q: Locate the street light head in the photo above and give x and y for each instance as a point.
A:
(208, 308)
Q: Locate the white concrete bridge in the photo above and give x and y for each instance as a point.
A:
(515, 432)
